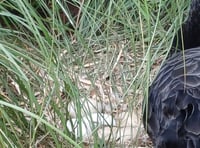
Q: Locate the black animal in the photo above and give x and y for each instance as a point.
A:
(189, 35)
(172, 115)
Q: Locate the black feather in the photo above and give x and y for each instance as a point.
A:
(172, 115)
(189, 31)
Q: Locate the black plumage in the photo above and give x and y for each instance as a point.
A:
(172, 115)
(190, 30)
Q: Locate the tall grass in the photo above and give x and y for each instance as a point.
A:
(42, 54)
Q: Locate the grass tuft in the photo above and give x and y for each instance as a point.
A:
(55, 52)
